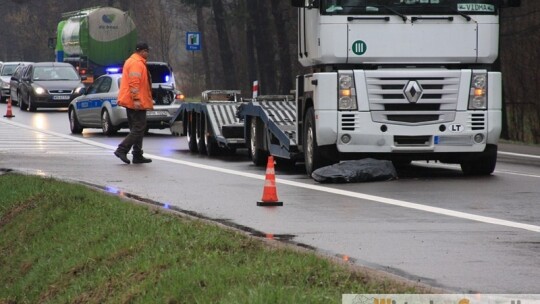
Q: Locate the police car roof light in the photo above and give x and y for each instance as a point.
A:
(112, 70)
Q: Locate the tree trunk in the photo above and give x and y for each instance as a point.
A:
(225, 51)
(285, 70)
(201, 25)
(265, 49)
(250, 41)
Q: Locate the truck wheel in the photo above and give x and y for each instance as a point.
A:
(74, 124)
(483, 165)
(191, 130)
(312, 153)
(106, 125)
(200, 133)
(258, 156)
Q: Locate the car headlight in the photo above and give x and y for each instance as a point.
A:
(5, 85)
(478, 93)
(39, 90)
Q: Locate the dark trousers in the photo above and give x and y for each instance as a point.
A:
(137, 128)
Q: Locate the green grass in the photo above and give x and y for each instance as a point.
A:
(66, 243)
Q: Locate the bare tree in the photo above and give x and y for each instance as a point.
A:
(225, 51)
(285, 70)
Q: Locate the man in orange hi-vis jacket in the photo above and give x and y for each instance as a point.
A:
(135, 95)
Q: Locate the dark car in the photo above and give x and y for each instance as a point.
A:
(15, 82)
(6, 71)
(49, 85)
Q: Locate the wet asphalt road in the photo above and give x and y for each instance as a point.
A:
(432, 225)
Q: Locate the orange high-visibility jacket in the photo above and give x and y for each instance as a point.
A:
(135, 86)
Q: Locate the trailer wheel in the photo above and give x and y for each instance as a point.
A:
(200, 133)
(313, 157)
(191, 130)
(258, 156)
(483, 165)
(212, 147)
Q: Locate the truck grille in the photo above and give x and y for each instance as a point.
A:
(417, 98)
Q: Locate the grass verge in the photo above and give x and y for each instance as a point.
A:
(66, 243)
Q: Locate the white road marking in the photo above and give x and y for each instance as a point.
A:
(519, 155)
(362, 196)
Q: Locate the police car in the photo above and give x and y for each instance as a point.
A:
(98, 106)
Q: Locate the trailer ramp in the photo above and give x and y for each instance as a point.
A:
(278, 113)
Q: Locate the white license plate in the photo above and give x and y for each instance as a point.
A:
(61, 97)
(157, 113)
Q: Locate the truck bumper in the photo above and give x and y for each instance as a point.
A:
(355, 132)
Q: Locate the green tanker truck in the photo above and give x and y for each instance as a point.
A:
(95, 39)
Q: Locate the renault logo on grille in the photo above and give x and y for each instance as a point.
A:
(413, 91)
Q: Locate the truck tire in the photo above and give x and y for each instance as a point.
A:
(258, 156)
(200, 133)
(106, 125)
(212, 147)
(74, 124)
(191, 132)
(482, 165)
(313, 156)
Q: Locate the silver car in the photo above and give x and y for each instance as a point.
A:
(6, 71)
(98, 107)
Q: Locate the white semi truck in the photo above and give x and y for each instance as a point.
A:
(401, 80)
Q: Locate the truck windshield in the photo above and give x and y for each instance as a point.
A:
(409, 7)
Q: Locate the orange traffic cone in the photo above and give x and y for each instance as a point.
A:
(269, 197)
(9, 112)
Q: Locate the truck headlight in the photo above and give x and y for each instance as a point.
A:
(478, 93)
(345, 103)
(347, 92)
(345, 82)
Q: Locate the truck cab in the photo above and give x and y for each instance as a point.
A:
(401, 80)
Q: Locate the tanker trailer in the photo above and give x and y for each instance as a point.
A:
(95, 39)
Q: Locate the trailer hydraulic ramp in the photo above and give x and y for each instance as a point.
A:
(278, 113)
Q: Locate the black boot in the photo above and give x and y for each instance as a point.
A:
(140, 159)
(122, 156)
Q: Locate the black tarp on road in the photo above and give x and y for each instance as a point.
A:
(363, 170)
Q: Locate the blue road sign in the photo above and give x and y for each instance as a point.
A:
(193, 41)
